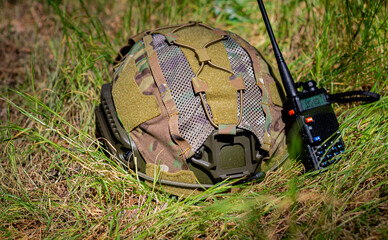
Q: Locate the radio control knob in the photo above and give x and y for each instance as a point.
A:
(310, 86)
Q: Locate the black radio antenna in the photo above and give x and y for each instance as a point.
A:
(288, 82)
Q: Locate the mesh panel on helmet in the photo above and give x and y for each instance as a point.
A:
(253, 115)
(193, 123)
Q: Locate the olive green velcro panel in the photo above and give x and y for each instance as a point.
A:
(133, 108)
(202, 55)
(183, 176)
(221, 96)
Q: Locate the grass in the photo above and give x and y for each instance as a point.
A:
(54, 183)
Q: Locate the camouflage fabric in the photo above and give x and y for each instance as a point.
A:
(192, 123)
(274, 127)
(221, 96)
(153, 141)
(253, 115)
(168, 72)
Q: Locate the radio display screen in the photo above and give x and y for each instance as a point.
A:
(314, 101)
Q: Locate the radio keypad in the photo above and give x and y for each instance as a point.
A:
(326, 152)
(317, 125)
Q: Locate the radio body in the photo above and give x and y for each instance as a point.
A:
(313, 134)
(311, 124)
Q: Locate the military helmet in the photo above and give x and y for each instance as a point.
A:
(190, 106)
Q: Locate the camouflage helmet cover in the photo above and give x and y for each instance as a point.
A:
(176, 87)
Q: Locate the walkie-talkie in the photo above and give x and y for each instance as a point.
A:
(311, 124)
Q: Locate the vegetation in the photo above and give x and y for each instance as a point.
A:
(55, 183)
